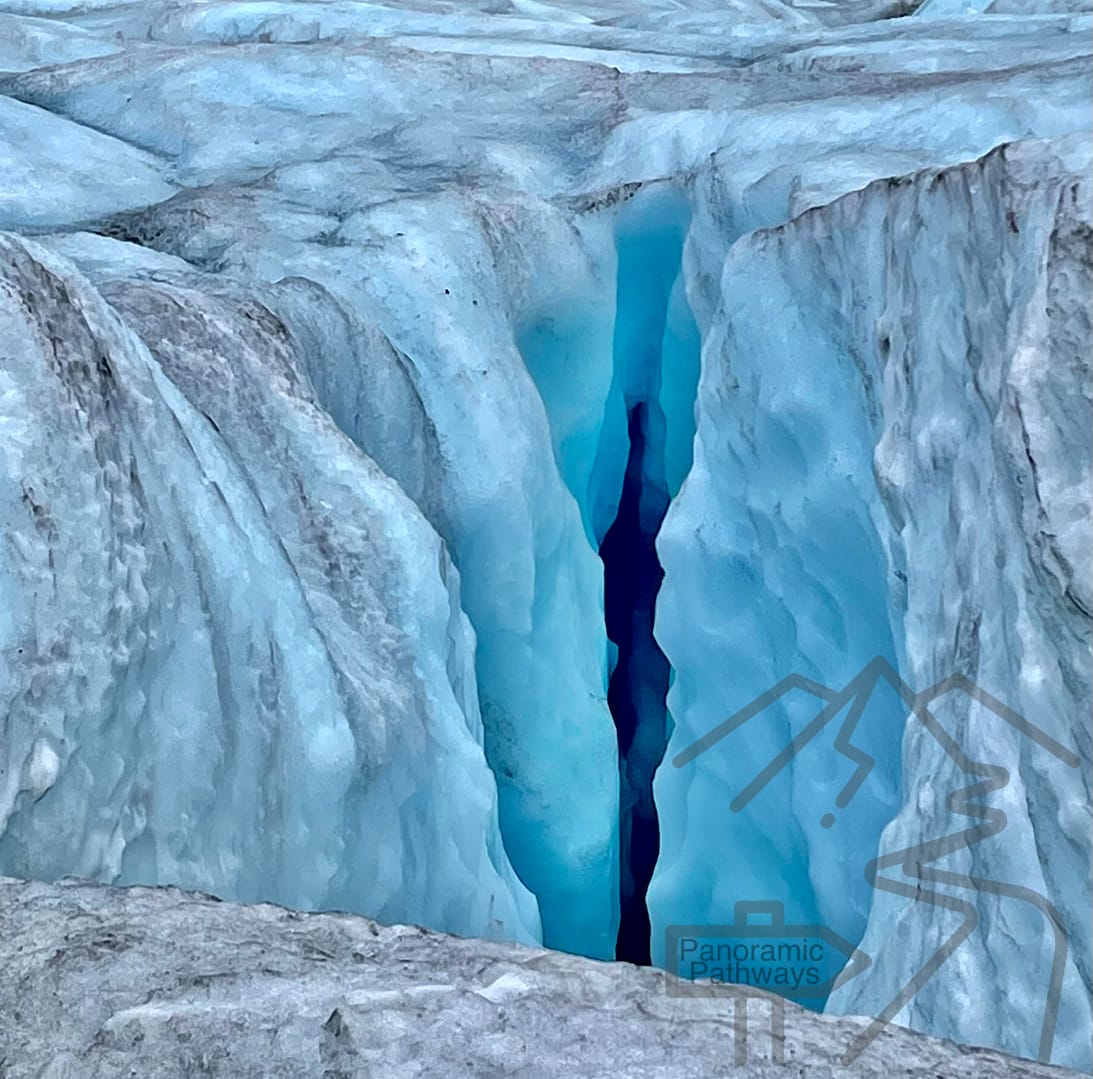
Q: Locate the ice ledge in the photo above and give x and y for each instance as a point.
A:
(157, 982)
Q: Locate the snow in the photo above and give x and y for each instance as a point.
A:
(312, 611)
(154, 981)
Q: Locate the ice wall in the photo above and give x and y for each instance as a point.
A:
(879, 469)
(231, 650)
(532, 586)
(983, 459)
(774, 564)
(387, 317)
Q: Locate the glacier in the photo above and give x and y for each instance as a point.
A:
(423, 424)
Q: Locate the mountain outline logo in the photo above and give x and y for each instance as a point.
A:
(916, 862)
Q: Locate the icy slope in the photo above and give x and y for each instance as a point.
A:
(228, 656)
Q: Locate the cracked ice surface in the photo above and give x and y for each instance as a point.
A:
(241, 650)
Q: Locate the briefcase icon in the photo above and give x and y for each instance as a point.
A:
(759, 950)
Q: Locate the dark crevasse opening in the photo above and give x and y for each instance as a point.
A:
(624, 458)
(656, 364)
(639, 682)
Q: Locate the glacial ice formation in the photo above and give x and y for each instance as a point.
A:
(233, 652)
(908, 519)
(328, 328)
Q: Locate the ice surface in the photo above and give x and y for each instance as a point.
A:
(379, 284)
(233, 655)
(164, 983)
(27, 43)
(872, 449)
(57, 173)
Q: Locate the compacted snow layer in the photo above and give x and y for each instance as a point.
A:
(308, 586)
(165, 984)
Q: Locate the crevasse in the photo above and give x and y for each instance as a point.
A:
(624, 474)
(236, 654)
